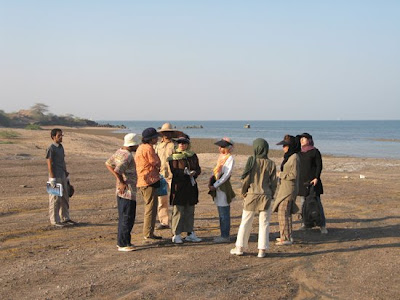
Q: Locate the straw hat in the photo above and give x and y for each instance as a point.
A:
(167, 128)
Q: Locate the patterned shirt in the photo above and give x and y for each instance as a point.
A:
(123, 163)
(147, 165)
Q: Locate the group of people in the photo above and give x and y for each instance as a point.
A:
(300, 168)
(147, 165)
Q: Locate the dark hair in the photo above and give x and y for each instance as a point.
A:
(54, 131)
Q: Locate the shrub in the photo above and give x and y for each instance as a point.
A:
(33, 127)
(9, 134)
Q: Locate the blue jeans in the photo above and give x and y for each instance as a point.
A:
(126, 219)
(224, 220)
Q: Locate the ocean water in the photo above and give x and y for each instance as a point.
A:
(379, 139)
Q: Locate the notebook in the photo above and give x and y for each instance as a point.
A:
(56, 191)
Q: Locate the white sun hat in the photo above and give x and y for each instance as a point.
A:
(131, 139)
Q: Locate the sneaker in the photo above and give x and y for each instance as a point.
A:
(303, 227)
(193, 238)
(220, 240)
(70, 222)
(162, 226)
(279, 239)
(153, 237)
(177, 239)
(261, 253)
(58, 224)
(324, 230)
(126, 249)
(236, 251)
(118, 246)
(283, 243)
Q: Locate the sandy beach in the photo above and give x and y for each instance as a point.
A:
(358, 259)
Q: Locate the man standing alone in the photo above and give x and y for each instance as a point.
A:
(58, 205)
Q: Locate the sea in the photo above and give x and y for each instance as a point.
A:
(374, 139)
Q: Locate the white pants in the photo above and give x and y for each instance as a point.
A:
(246, 225)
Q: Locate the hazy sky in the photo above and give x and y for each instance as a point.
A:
(202, 60)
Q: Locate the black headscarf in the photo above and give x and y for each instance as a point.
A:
(293, 148)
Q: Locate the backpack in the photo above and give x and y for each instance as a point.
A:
(311, 209)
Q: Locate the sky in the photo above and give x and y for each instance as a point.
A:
(202, 60)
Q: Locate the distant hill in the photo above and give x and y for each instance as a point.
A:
(37, 115)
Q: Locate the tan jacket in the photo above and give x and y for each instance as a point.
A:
(259, 186)
(289, 183)
(163, 150)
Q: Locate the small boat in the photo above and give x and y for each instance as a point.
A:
(247, 126)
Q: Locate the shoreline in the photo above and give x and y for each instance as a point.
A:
(199, 144)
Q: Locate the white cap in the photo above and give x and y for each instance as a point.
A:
(131, 139)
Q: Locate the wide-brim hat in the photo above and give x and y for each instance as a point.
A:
(167, 128)
(225, 142)
(131, 139)
(150, 133)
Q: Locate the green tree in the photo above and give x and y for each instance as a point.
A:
(4, 119)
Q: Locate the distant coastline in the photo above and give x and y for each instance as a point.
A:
(38, 116)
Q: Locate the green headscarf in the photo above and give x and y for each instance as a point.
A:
(260, 149)
(181, 154)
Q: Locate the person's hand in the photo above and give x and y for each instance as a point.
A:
(52, 182)
(122, 186)
(212, 188)
(314, 181)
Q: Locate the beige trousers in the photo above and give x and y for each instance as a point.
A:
(150, 209)
(243, 235)
(163, 205)
(59, 206)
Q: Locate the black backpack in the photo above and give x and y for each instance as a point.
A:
(311, 210)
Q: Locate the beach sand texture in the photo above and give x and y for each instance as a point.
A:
(358, 259)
